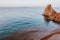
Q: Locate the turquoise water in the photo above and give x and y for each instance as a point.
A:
(18, 19)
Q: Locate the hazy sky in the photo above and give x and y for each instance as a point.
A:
(28, 3)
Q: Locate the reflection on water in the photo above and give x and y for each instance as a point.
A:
(17, 19)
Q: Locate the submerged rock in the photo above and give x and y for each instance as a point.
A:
(51, 14)
(35, 35)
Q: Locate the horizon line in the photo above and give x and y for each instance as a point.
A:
(25, 6)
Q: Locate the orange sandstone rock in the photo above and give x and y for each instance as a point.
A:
(51, 14)
(49, 11)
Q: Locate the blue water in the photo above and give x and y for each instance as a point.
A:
(18, 19)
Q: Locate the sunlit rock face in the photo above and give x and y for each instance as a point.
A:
(49, 11)
(51, 14)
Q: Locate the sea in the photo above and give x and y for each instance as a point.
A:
(24, 18)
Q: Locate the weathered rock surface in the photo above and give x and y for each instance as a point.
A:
(51, 14)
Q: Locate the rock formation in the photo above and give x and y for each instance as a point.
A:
(51, 14)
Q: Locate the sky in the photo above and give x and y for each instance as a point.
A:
(28, 3)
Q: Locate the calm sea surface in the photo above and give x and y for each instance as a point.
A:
(17, 19)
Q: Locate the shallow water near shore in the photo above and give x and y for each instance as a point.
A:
(18, 19)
